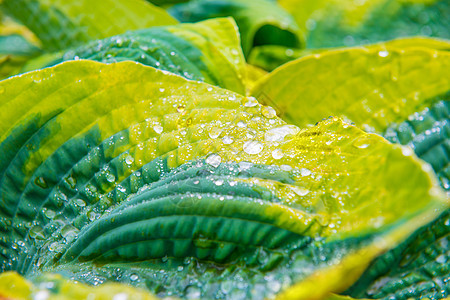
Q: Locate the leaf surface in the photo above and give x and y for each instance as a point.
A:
(166, 173)
(61, 24)
(260, 21)
(206, 51)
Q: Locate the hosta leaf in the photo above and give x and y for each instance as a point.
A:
(207, 51)
(260, 22)
(402, 94)
(17, 46)
(55, 287)
(60, 24)
(270, 57)
(122, 172)
(348, 23)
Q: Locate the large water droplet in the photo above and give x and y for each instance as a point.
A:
(277, 154)
(213, 160)
(361, 143)
(214, 132)
(134, 277)
(158, 129)
(193, 292)
(227, 140)
(268, 112)
(305, 172)
(252, 147)
(300, 191)
(383, 53)
(250, 102)
(278, 134)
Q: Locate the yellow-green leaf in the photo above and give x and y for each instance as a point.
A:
(61, 24)
(124, 171)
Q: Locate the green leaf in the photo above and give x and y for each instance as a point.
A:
(401, 94)
(180, 179)
(206, 51)
(270, 57)
(61, 24)
(260, 22)
(350, 23)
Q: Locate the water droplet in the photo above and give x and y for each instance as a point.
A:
(193, 292)
(181, 108)
(209, 88)
(158, 129)
(40, 181)
(214, 132)
(172, 53)
(383, 53)
(129, 160)
(49, 213)
(300, 191)
(36, 232)
(277, 154)
(274, 286)
(41, 295)
(241, 124)
(120, 296)
(250, 102)
(305, 172)
(252, 147)
(218, 182)
(162, 89)
(134, 277)
(227, 140)
(268, 112)
(441, 259)
(361, 143)
(213, 160)
(180, 268)
(110, 177)
(407, 151)
(80, 202)
(278, 134)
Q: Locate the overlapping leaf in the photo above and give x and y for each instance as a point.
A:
(206, 51)
(61, 24)
(350, 23)
(206, 185)
(402, 94)
(260, 21)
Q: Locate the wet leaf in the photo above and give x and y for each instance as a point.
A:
(111, 172)
(61, 24)
(260, 22)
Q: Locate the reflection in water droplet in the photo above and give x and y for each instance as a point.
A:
(128, 160)
(250, 102)
(227, 140)
(277, 154)
(305, 172)
(158, 129)
(407, 151)
(181, 108)
(214, 132)
(300, 190)
(278, 134)
(268, 112)
(193, 292)
(213, 160)
(110, 177)
(252, 147)
(134, 277)
(361, 143)
(383, 53)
